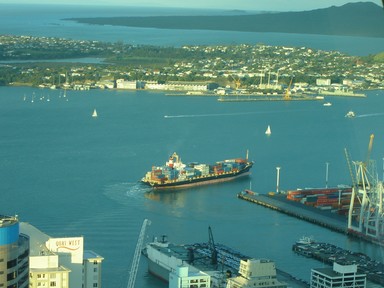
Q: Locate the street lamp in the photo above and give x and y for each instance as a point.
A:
(278, 179)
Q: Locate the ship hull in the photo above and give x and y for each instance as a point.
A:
(216, 178)
(158, 271)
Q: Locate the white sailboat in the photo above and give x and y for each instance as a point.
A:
(268, 131)
(94, 114)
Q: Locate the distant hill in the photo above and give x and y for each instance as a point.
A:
(352, 19)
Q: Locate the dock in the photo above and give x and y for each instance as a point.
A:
(256, 97)
(328, 253)
(279, 203)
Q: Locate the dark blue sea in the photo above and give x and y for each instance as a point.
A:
(70, 174)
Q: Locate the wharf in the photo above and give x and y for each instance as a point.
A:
(256, 97)
(279, 203)
(329, 253)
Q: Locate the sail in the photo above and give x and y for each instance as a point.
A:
(268, 131)
(94, 114)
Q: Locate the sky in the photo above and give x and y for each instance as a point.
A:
(260, 5)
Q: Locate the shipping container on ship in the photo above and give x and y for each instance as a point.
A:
(176, 174)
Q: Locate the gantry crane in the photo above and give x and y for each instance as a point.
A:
(365, 215)
(136, 257)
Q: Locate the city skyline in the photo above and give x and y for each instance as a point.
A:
(260, 5)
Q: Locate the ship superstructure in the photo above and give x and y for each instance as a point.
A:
(175, 173)
(212, 265)
(219, 264)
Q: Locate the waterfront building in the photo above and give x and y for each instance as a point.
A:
(177, 86)
(256, 273)
(61, 262)
(14, 254)
(323, 82)
(182, 277)
(125, 84)
(338, 276)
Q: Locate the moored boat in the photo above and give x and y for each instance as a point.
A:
(176, 174)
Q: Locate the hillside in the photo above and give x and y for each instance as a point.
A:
(352, 19)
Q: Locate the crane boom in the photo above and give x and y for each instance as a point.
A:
(369, 149)
(212, 247)
(136, 257)
(350, 167)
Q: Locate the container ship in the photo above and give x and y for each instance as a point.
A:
(176, 174)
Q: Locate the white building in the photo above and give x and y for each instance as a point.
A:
(176, 86)
(256, 273)
(323, 82)
(339, 276)
(125, 84)
(61, 262)
(183, 277)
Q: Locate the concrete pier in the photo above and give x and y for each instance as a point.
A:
(279, 203)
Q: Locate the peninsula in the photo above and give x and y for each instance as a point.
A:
(352, 19)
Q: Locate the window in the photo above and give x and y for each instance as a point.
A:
(94, 284)
(52, 284)
(11, 263)
(94, 269)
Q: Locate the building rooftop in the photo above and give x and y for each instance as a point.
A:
(37, 239)
(91, 255)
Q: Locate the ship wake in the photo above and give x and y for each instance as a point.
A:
(369, 115)
(123, 193)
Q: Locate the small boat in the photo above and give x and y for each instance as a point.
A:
(94, 114)
(268, 131)
(327, 104)
(350, 114)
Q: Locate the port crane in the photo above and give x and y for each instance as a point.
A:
(212, 247)
(136, 257)
(365, 216)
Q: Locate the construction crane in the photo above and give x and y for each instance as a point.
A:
(287, 95)
(136, 257)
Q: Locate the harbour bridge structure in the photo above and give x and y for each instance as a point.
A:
(366, 211)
